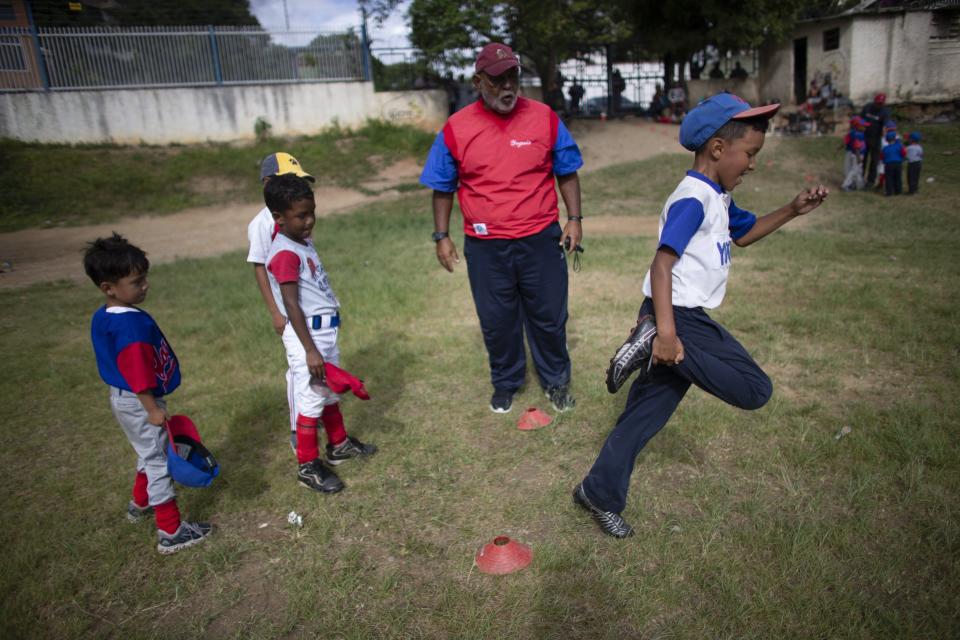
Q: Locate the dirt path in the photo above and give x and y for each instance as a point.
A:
(41, 255)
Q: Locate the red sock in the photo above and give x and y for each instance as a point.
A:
(307, 448)
(167, 516)
(333, 424)
(140, 497)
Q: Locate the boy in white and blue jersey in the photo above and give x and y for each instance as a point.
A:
(675, 343)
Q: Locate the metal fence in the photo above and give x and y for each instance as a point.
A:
(129, 57)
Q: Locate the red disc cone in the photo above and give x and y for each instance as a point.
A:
(533, 418)
(502, 556)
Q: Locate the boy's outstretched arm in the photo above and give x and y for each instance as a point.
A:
(805, 202)
(290, 293)
(667, 348)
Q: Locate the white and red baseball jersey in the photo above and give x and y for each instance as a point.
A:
(290, 261)
(260, 232)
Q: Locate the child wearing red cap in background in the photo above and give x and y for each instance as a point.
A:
(302, 291)
(855, 146)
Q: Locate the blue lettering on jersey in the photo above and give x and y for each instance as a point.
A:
(724, 249)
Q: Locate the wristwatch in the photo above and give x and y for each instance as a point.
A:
(439, 235)
(577, 218)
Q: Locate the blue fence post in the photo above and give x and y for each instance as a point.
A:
(365, 46)
(215, 55)
(37, 50)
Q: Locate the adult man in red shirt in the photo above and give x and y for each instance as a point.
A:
(501, 156)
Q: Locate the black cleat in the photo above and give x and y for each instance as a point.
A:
(315, 475)
(561, 398)
(635, 353)
(610, 523)
(349, 449)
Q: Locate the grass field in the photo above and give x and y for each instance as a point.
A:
(749, 524)
(52, 185)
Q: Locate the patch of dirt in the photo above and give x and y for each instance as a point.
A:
(605, 143)
(403, 171)
(43, 255)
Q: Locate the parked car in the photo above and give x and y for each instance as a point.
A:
(596, 106)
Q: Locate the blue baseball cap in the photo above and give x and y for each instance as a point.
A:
(915, 136)
(706, 118)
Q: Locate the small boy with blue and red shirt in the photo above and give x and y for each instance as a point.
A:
(139, 366)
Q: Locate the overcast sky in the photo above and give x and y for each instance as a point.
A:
(330, 15)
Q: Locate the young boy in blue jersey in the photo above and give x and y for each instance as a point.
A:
(893, 154)
(140, 368)
(675, 343)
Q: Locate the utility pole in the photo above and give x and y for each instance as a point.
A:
(286, 16)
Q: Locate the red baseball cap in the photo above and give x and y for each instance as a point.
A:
(495, 58)
(340, 380)
(880, 98)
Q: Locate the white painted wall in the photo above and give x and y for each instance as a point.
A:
(187, 115)
(890, 53)
(776, 63)
(897, 57)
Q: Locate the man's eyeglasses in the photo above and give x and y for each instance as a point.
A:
(512, 76)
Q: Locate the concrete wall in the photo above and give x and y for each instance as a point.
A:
(890, 53)
(705, 87)
(186, 115)
(776, 62)
(894, 54)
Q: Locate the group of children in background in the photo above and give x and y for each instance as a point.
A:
(893, 153)
(140, 368)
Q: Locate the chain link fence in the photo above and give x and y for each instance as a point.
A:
(137, 57)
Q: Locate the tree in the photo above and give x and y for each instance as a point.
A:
(57, 13)
(678, 30)
(544, 33)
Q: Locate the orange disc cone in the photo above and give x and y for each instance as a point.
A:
(532, 419)
(503, 556)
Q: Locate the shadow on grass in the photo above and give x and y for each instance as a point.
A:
(243, 454)
(385, 361)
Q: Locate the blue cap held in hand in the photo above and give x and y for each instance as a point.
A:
(706, 118)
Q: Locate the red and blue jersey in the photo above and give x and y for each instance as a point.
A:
(132, 353)
(855, 142)
(502, 167)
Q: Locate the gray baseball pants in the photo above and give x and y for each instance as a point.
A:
(149, 441)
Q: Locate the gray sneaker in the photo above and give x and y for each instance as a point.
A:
(610, 523)
(561, 398)
(135, 514)
(187, 535)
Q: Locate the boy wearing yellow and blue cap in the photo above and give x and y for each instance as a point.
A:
(675, 343)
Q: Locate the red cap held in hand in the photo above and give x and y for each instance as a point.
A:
(339, 380)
